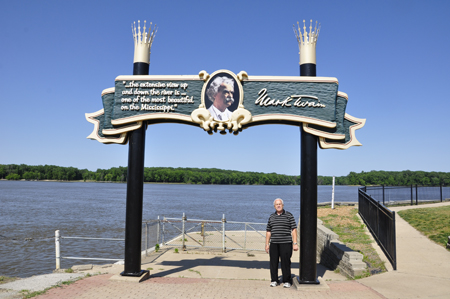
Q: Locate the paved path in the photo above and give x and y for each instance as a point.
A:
(167, 287)
(423, 272)
(423, 267)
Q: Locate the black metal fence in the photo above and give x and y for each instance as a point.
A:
(381, 223)
(413, 194)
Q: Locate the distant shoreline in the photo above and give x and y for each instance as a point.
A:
(159, 183)
(215, 176)
(112, 182)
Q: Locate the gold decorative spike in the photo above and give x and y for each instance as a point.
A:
(307, 42)
(142, 41)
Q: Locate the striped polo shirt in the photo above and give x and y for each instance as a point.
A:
(280, 227)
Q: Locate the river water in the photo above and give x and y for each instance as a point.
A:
(32, 211)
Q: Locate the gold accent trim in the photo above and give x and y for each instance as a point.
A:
(242, 76)
(94, 135)
(359, 123)
(203, 75)
(121, 130)
(239, 118)
(108, 90)
(202, 117)
(343, 95)
(320, 133)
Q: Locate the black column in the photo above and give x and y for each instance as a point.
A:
(135, 191)
(308, 198)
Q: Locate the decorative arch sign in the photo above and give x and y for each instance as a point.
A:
(225, 102)
(312, 102)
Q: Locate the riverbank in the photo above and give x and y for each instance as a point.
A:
(423, 272)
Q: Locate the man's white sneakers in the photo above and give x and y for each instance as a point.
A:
(285, 285)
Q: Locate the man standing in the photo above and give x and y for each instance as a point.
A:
(220, 93)
(281, 231)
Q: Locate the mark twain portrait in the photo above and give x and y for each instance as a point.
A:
(220, 93)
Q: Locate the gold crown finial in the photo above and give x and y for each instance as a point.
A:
(142, 41)
(307, 42)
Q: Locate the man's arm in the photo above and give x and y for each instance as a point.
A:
(294, 238)
(268, 234)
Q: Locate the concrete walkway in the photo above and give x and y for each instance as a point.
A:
(423, 267)
(423, 272)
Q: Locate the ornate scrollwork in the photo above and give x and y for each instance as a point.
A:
(240, 117)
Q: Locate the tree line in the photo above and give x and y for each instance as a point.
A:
(218, 176)
(151, 174)
(396, 178)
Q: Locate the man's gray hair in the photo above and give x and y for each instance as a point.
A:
(214, 86)
(282, 202)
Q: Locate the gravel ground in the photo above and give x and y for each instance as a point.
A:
(35, 283)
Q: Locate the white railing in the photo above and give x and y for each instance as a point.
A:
(58, 256)
(200, 233)
(219, 234)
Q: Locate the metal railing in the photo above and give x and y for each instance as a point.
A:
(58, 256)
(219, 234)
(381, 223)
(413, 194)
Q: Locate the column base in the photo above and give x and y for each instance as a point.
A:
(144, 275)
(134, 274)
(314, 285)
(307, 281)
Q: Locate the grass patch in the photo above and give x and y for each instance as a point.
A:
(432, 222)
(343, 220)
(198, 272)
(28, 294)
(6, 279)
(69, 282)
(408, 203)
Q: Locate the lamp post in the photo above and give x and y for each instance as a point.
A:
(136, 151)
(308, 169)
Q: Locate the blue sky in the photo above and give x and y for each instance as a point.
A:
(390, 57)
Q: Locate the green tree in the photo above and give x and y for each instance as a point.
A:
(13, 176)
(108, 177)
